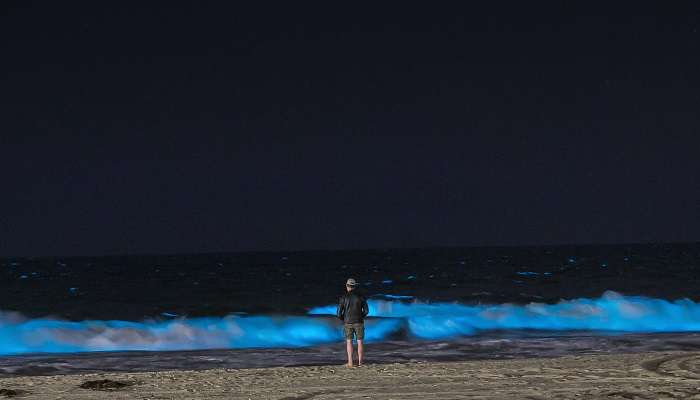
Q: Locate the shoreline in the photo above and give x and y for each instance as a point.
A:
(477, 348)
(653, 375)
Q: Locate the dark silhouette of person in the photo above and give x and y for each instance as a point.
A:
(352, 309)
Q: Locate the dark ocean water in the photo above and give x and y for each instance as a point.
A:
(253, 309)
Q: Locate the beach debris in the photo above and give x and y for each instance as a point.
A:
(411, 277)
(10, 392)
(104, 384)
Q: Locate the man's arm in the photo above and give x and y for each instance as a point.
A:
(365, 308)
(340, 312)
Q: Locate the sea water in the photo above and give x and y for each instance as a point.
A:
(422, 300)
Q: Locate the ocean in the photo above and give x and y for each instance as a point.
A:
(146, 312)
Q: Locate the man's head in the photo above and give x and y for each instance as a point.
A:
(350, 285)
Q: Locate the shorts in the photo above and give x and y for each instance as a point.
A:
(357, 329)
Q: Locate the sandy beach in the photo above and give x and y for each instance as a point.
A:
(656, 375)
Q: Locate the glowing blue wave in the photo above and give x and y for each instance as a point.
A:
(611, 312)
(19, 336)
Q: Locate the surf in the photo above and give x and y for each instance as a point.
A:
(406, 318)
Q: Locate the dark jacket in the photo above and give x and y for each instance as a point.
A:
(352, 308)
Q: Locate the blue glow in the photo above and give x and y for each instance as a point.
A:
(611, 312)
(393, 296)
(18, 335)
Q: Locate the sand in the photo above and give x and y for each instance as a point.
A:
(670, 375)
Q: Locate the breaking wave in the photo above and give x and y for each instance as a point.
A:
(407, 319)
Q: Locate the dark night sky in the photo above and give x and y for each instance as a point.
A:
(216, 128)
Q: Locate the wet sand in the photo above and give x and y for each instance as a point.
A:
(654, 375)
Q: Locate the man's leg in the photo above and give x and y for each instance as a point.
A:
(359, 351)
(347, 333)
(360, 330)
(348, 346)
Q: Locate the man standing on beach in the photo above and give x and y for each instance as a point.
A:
(352, 309)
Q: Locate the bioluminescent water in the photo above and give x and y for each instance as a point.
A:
(610, 312)
(414, 319)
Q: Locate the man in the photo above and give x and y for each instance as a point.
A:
(352, 309)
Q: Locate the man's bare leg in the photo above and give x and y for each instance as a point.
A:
(359, 352)
(348, 346)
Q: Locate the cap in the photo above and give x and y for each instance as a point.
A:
(351, 282)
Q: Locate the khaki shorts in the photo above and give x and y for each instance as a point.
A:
(357, 329)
